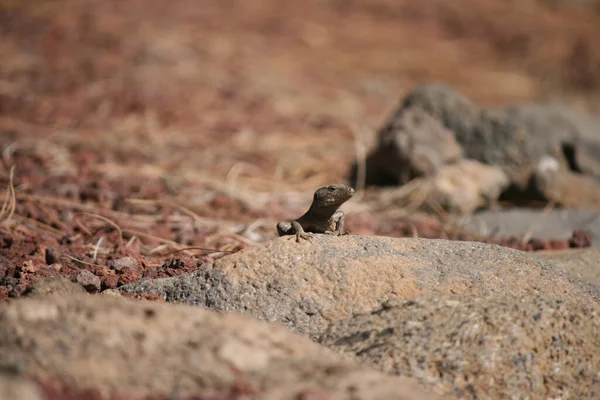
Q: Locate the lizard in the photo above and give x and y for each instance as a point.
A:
(323, 215)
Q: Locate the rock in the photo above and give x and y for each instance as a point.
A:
(52, 255)
(583, 264)
(89, 281)
(516, 139)
(575, 133)
(488, 136)
(466, 186)
(147, 349)
(412, 145)
(565, 188)
(110, 282)
(558, 223)
(455, 111)
(510, 138)
(124, 263)
(309, 284)
(18, 388)
(469, 347)
(53, 286)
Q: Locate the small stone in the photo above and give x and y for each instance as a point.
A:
(89, 281)
(52, 255)
(110, 282)
(580, 239)
(122, 263)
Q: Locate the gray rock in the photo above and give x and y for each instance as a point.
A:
(413, 145)
(88, 280)
(142, 349)
(306, 285)
(514, 137)
(455, 111)
(576, 133)
(469, 347)
(540, 224)
(488, 136)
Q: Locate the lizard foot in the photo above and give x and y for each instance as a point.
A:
(337, 233)
(304, 235)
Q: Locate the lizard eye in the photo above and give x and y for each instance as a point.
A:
(331, 188)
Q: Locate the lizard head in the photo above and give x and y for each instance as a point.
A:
(333, 195)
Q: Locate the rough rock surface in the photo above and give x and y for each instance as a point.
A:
(583, 264)
(142, 348)
(413, 145)
(469, 347)
(466, 186)
(309, 284)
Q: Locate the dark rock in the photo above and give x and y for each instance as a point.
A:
(52, 255)
(414, 144)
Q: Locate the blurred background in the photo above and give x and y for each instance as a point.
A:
(202, 123)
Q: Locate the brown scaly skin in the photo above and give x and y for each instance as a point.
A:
(322, 216)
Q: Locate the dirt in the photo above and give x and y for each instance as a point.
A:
(169, 134)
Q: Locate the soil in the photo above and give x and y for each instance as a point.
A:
(150, 137)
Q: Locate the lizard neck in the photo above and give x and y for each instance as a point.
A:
(319, 210)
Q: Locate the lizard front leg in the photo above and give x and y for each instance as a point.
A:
(300, 233)
(336, 224)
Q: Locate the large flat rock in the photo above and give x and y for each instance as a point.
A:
(307, 285)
